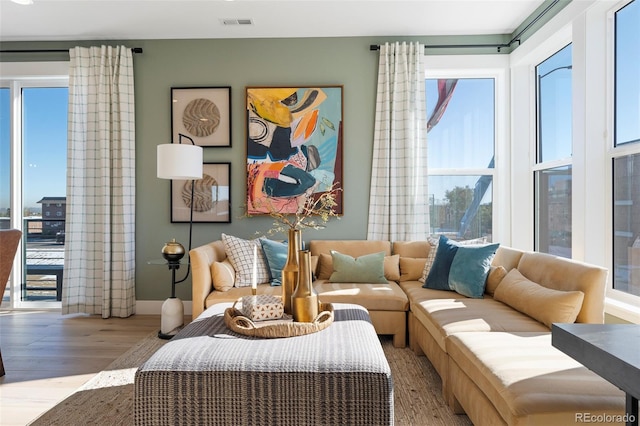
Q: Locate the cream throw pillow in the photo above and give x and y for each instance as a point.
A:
(223, 275)
(411, 268)
(392, 267)
(496, 274)
(541, 303)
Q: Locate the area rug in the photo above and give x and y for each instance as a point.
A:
(107, 399)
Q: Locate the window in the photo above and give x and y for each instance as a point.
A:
(552, 173)
(461, 141)
(626, 152)
(33, 140)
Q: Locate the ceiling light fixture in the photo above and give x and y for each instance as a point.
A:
(23, 2)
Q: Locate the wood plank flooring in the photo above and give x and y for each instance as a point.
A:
(47, 356)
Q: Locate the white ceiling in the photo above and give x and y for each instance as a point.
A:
(179, 19)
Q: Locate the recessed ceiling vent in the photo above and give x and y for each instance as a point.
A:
(230, 21)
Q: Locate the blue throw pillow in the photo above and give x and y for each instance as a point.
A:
(469, 269)
(276, 254)
(438, 278)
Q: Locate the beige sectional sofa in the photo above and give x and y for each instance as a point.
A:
(496, 363)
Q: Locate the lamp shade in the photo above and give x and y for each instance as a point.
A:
(179, 161)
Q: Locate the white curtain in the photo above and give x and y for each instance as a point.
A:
(398, 201)
(99, 275)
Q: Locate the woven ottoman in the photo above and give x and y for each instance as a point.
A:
(209, 375)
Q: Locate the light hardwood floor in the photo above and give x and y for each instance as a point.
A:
(47, 356)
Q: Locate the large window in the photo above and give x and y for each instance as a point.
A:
(33, 146)
(461, 141)
(626, 151)
(553, 179)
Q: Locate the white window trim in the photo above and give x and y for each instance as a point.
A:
(618, 303)
(588, 25)
(15, 76)
(497, 68)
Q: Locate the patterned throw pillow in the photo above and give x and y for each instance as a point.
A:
(433, 242)
(246, 256)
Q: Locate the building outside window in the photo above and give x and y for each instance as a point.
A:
(626, 151)
(552, 172)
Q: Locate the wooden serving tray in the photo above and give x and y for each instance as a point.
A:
(285, 327)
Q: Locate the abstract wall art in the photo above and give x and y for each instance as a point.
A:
(294, 146)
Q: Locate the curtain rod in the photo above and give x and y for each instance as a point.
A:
(133, 49)
(499, 46)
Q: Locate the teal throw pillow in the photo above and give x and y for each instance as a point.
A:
(276, 254)
(364, 269)
(469, 269)
(438, 278)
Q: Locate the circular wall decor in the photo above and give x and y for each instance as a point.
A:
(201, 117)
(203, 199)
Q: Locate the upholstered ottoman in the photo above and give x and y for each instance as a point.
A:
(210, 375)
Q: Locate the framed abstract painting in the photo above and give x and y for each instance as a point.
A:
(203, 114)
(294, 146)
(211, 196)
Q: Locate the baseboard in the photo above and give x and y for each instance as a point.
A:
(154, 307)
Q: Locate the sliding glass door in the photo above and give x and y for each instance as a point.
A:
(33, 146)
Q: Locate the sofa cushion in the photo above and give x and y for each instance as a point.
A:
(444, 317)
(419, 248)
(223, 275)
(247, 257)
(544, 304)
(411, 268)
(469, 269)
(368, 268)
(375, 297)
(528, 380)
(275, 252)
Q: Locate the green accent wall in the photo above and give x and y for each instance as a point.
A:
(239, 63)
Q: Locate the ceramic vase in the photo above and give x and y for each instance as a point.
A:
(304, 301)
(290, 270)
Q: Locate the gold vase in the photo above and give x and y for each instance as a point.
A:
(304, 301)
(290, 269)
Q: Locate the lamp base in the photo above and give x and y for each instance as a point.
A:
(172, 318)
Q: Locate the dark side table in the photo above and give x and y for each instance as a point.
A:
(610, 350)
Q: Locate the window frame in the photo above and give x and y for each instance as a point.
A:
(619, 303)
(495, 67)
(538, 164)
(17, 76)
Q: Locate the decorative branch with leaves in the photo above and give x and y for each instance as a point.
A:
(314, 211)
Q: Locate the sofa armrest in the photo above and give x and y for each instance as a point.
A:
(201, 259)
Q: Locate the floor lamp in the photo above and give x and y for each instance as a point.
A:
(177, 161)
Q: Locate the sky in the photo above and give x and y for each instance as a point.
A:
(45, 144)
